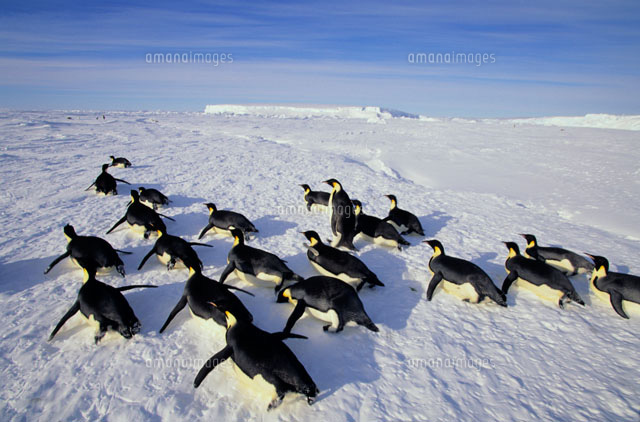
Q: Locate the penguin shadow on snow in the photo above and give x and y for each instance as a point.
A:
(271, 225)
(184, 201)
(432, 224)
(391, 305)
(23, 275)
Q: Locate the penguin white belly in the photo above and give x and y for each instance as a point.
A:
(629, 307)
(330, 316)
(261, 279)
(564, 265)
(118, 165)
(205, 323)
(385, 242)
(101, 270)
(543, 291)
(342, 276)
(147, 203)
(223, 232)
(138, 228)
(258, 386)
(399, 228)
(164, 258)
(464, 291)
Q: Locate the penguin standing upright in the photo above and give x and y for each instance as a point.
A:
(252, 264)
(264, 359)
(342, 265)
(621, 290)
(328, 299)
(105, 305)
(460, 278)
(171, 249)
(141, 217)
(343, 216)
(566, 261)
(152, 197)
(403, 221)
(106, 183)
(315, 197)
(377, 230)
(545, 281)
(222, 222)
(199, 291)
(93, 251)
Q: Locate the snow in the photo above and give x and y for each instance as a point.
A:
(473, 184)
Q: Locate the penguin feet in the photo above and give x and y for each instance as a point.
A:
(326, 327)
(171, 264)
(120, 270)
(311, 400)
(275, 402)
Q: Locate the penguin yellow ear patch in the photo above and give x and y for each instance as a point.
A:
(287, 294)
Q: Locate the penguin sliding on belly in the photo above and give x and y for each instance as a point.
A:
(264, 359)
(327, 299)
(141, 217)
(377, 230)
(566, 261)
(119, 162)
(93, 251)
(343, 216)
(222, 222)
(460, 278)
(403, 221)
(105, 305)
(106, 183)
(171, 249)
(255, 265)
(315, 197)
(621, 290)
(199, 291)
(342, 265)
(542, 279)
(152, 197)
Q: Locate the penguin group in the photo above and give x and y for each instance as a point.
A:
(332, 296)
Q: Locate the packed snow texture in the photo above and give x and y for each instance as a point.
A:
(473, 184)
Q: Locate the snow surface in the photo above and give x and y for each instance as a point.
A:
(473, 184)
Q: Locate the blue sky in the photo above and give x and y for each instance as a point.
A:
(551, 58)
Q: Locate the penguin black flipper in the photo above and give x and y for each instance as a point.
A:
(123, 252)
(123, 181)
(71, 312)
(181, 304)
(135, 286)
(227, 271)
(435, 280)
(90, 186)
(200, 244)
(166, 216)
(508, 281)
(211, 364)
(122, 220)
(297, 313)
(616, 301)
(238, 289)
(205, 230)
(283, 336)
(146, 257)
(56, 261)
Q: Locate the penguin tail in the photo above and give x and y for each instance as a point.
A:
(576, 298)
(371, 326)
(374, 281)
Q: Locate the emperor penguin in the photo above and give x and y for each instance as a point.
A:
(101, 303)
(545, 281)
(623, 290)
(106, 183)
(152, 197)
(119, 162)
(566, 261)
(140, 217)
(328, 299)
(173, 249)
(97, 252)
(403, 221)
(255, 265)
(343, 216)
(333, 262)
(460, 278)
(199, 291)
(315, 197)
(376, 230)
(222, 221)
(264, 359)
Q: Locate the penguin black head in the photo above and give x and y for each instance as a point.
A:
(393, 199)
(305, 187)
(69, 231)
(436, 245)
(134, 195)
(311, 235)
(211, 206)
(357, 205)
(600, 263)
(105, 167)
(530, 239)
(237, 235)
(141, 189)
(333, 183)
(513, 248)
(112, 157)
(283, 296)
